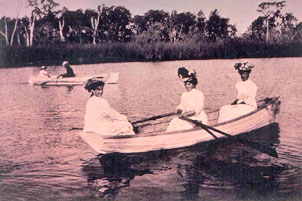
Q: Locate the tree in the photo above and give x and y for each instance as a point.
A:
(61, 23)
(5, 33)
(94, 21)
(3, 23)
(76, 27)
(219, 27)
(289, 26)
(182, 24)
(139, 24)
(257, 31)
(270, 11)
(41, 8)
(153, 16)
(200, 22)
(115, 24)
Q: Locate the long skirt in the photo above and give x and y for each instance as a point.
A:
(110, 128)
(178, 124)
(229, 112)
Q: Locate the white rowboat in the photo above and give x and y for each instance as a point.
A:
(109, 78)
(152, 135)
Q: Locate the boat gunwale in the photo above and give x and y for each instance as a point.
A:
(262, 107)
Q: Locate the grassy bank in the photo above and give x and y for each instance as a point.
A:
(127, 52)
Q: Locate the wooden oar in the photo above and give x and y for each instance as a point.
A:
(252, 144)
(154, 117)
(51, 80)
(142, 120)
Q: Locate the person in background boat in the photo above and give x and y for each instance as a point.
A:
(43, 72)
(246, 95)
(69, 71)
(100, 117)
(191, 102)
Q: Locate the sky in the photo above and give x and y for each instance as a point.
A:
(240, 12)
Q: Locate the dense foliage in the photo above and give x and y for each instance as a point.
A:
(109, 34)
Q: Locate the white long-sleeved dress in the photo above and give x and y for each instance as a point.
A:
(246, 93)
(102, 119)
(192, 100)
(43, 73)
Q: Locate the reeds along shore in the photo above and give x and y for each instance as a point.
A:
(18, 56)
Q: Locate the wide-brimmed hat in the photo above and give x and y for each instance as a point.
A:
(93, 83)
(43, 67)
(245, 66)
(65, 63)
(186, 73)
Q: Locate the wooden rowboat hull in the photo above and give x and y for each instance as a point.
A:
(110, 78)
(145, 142)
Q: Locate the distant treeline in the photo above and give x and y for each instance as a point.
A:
(111, 34)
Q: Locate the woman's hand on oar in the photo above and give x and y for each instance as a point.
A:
(142, 120)
(252, 144)
(154, 117)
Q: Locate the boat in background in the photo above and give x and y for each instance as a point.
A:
(108, 78)
(152, 135)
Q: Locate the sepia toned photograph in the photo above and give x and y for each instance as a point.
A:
(139, 100)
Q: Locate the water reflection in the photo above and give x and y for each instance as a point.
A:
(68, 87)
(224, 164)
(109, 173)
(231, 165)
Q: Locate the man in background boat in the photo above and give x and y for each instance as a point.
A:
(100, 117)
(43, 72)
(191, 102)
(246, 95)
(69, 71)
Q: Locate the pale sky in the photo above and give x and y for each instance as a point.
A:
(240, 12)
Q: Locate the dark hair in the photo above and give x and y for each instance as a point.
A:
(183, 72)
(192, 80)
(242, 71)
(92, 84)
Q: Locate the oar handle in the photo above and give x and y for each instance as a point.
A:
(154, 117)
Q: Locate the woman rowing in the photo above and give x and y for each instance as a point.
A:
(191, 102)
(69, 71)
(246, 95)
(100, 117)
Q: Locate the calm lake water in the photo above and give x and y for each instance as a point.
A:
(43, 159)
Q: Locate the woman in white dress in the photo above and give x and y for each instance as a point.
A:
(191, 102)
(43, 72)
(100, 117)
(246, 95)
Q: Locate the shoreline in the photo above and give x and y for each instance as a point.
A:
(15, 57)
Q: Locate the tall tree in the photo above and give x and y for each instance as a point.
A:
(219, 27)
(257, 30)
(6, 32)
(76, 26)
(270, 11)
(41, 8)
(182, 23)
(95, 17)
(61, 23)
(115, 24)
